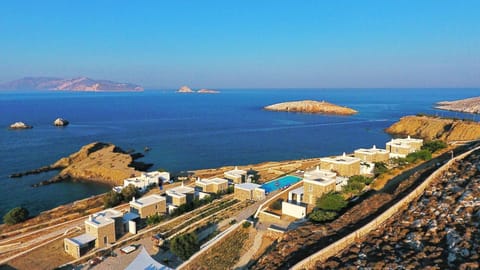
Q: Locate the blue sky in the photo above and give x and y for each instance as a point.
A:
(245, 44)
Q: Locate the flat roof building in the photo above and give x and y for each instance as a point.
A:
(180, 195)
(149, 205)
(343, 165)
(212, 185)
(236, 175)
(373, 154)
(248, 191)
(403, 147)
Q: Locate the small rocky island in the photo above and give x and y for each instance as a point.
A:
(185, 89)
(207, 91)
(468, 105)
(97, 162)
(311, 106)
(19, 125)
(60, 122)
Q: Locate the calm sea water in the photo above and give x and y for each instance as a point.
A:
(190, 131)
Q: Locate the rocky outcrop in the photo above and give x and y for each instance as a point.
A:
(207, 91)
(185, 89)
(436, 128)
(74, 84)
(60, 122)
(99, 162)
(311, 106)
(19, 125)
(469, 105)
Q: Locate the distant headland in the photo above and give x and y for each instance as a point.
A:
(468, 105)
(73, 84)
(186, 89)
(311, 106)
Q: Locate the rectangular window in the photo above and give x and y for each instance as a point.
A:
(104, 239)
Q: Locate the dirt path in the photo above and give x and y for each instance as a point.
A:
(247, 256)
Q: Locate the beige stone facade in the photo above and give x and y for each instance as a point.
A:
(149, 206)
(236, 175)
(403, 147)
(342, 165)
(312, 190)
(247, 191)
(214, 185)
(372, 154)
(180, 195)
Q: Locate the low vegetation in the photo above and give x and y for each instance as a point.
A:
(277, 205)
(155, 219)
(113, 198)
(434, 146)
(327, 207)
(16, 215)
(185, 245)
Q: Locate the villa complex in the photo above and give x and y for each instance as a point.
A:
(148, 206)
(249, 191)
(236, 175)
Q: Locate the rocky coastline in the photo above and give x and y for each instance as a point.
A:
(468, 105)
(311, 106)
(436, 128)
(96, 162)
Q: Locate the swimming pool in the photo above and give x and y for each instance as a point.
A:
(280, 183)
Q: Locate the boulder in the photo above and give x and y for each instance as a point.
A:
(60, 122)
(20, 125)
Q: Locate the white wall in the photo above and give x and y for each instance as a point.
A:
(294, 210)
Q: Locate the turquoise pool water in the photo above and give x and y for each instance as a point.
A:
(280, 183)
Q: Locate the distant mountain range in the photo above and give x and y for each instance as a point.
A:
(74, 84)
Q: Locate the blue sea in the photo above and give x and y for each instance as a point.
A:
(190, 131)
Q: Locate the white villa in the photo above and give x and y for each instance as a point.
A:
(373, 154)
(179, 195)
(212, 185)
(402, 147)
(145, 180)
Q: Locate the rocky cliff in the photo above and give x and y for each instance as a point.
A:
(311, 106)
(434, 128)
(99, 162)
(74, 84)
(469, 105)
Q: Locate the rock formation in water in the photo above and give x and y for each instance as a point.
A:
(60, 122)
(75, 84)
(19, 125)
(469, 105)
(436, 128)
(208, 91)
(311, 106)
(185, 89)
(98, 162)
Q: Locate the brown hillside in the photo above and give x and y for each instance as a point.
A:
(435, 128)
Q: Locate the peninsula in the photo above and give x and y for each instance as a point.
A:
(468, 105)
(73, 84)
(436, 128)
(311, 106)
(98, 162)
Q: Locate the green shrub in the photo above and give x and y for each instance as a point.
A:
(129, 192)
(112, 199)
(319, 215)
(16, 215)
(331, 201)
(185, 245)
(380, 168)
(155, 219)
(277, 205)
(419, 155)
(354, 187)
(361, 179)
(434, 146)
(246, 224)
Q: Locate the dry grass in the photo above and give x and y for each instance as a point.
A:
(226, 253)
(46, 257)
